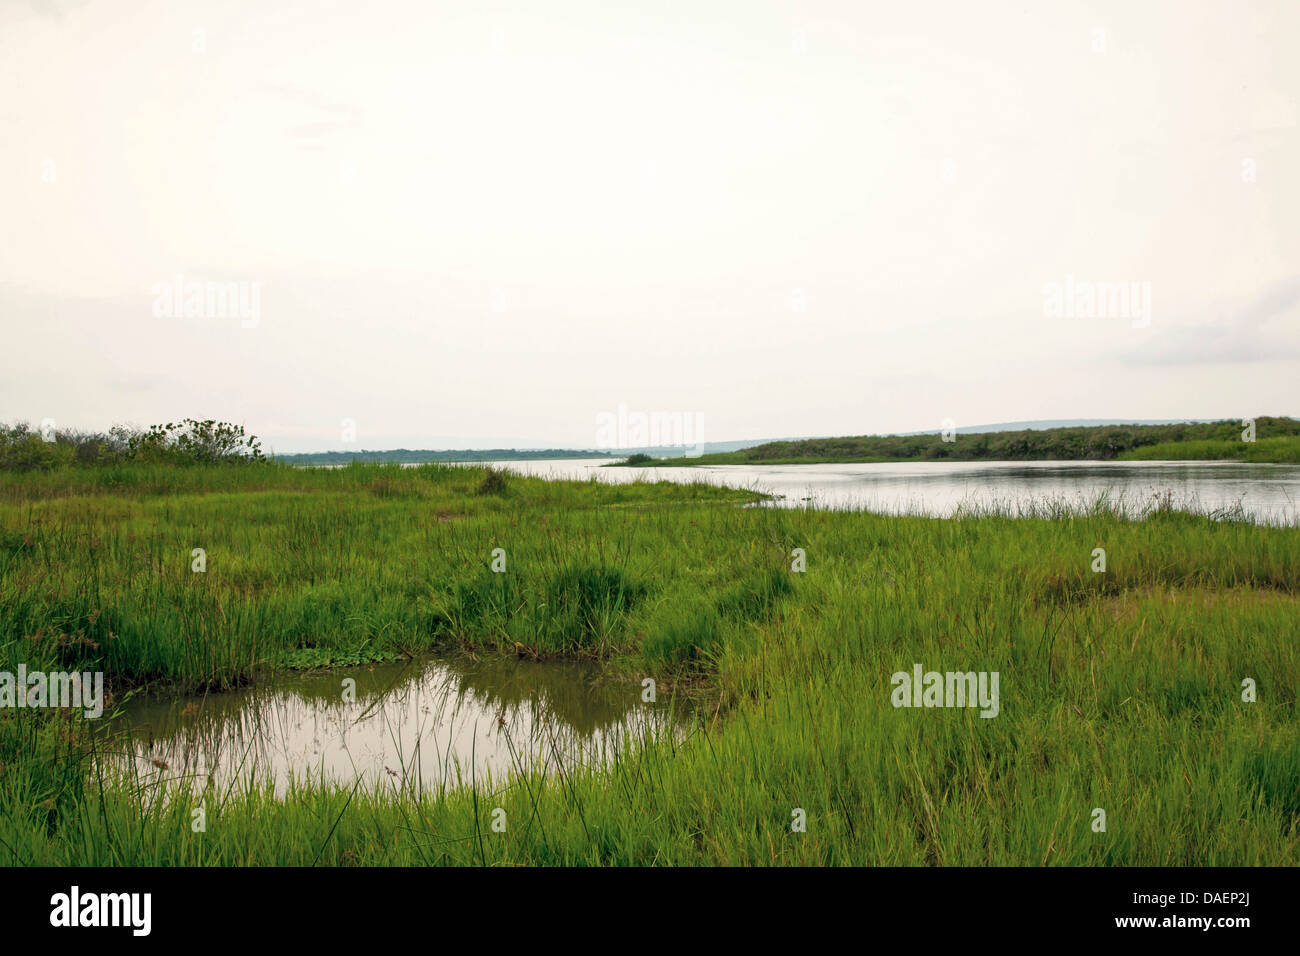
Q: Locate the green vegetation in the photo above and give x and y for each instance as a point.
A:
(1119, 690)
(188, 442)
(1278, 439)
(1282, 448)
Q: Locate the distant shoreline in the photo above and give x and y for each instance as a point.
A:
(1266, 439)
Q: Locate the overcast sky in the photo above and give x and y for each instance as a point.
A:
(473, 223)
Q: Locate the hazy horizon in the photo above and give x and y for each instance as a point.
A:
(525, 445)
(458, 227)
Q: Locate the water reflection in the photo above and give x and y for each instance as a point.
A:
(1263, 492)
(420, 726)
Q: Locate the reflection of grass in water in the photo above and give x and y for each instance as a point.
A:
(569, 706)
(572, 694)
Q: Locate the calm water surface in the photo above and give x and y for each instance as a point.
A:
(415, 726)
(1268, 493)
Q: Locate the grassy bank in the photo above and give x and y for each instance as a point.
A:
(1119, 691)
(1279, 449)
(1276, 440)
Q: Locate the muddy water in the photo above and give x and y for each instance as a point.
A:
(415, 726)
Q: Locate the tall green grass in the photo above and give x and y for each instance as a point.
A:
(1278, 449)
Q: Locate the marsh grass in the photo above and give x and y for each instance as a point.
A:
(1278, 448)
(494, 483)
(1119, 690)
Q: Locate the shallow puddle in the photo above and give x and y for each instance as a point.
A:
(420, 725)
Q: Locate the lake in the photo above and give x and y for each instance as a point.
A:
(1263, 492)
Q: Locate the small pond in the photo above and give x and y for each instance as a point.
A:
(419, 725)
